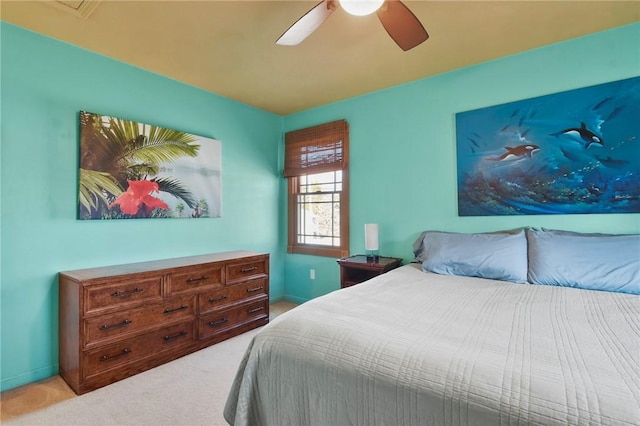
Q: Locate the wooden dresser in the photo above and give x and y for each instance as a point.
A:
(118, 321)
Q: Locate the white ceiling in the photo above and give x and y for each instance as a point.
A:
(228, 47)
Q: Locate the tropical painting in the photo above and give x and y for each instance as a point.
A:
(131, 170)
(573, 152)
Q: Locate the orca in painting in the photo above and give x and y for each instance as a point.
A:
(585, 135)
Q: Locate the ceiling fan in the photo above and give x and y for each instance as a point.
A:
(401, 24)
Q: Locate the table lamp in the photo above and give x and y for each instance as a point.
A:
(371, 241)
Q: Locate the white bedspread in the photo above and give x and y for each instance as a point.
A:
(414, 348)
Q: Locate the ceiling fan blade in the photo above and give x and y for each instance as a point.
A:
(401, 24)
(304, 26)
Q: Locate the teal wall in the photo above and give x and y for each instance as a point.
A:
(402, 142)
(44, 85)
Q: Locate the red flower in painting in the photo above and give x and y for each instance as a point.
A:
(138, 196)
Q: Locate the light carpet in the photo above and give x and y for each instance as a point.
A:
(191, 390)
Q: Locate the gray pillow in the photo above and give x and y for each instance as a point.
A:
(589, 261)
(499, 256)
(418, 248)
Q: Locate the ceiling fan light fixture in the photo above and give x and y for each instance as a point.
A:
(361, 7)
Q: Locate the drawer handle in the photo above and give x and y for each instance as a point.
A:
(254, 310)
(175, 336)
(105, 327)
(252, 268)
(125, 351)
(195, 280)
(127, 292)
(251, 290)
(181, 308)
(219, 322)
(218, 299)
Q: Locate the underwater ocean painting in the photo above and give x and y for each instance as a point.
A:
(573, 152)
(131, 170)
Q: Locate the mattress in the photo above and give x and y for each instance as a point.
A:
(416, 348)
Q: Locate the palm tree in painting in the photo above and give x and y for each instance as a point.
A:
(115, 154)
(179, 209)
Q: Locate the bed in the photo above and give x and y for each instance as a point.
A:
(413, 347)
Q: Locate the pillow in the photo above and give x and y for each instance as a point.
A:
(418, 249)
(589, 261)
(499, 256)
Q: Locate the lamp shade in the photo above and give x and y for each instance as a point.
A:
(361, 7)
(371, 236)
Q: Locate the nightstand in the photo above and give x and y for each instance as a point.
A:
(359, 268)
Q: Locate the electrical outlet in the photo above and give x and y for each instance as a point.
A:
(312, 274)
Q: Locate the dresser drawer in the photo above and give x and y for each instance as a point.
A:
(128, 351)
(215, 323)
(195, 279)
(116, 294)
(224, 297)
(241, 271)
(117, 325)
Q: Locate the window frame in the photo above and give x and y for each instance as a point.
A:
(293, 186)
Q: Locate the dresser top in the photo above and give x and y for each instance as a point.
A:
(154, 265)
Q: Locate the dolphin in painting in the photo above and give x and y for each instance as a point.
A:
(569, 155)
(474, 142)
(584, 134)
(615, 112)
(517, 152)
(612, 162)
(602, 102)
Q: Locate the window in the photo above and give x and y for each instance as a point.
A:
(316, 160)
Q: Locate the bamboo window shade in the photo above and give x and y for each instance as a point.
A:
(316, 149)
